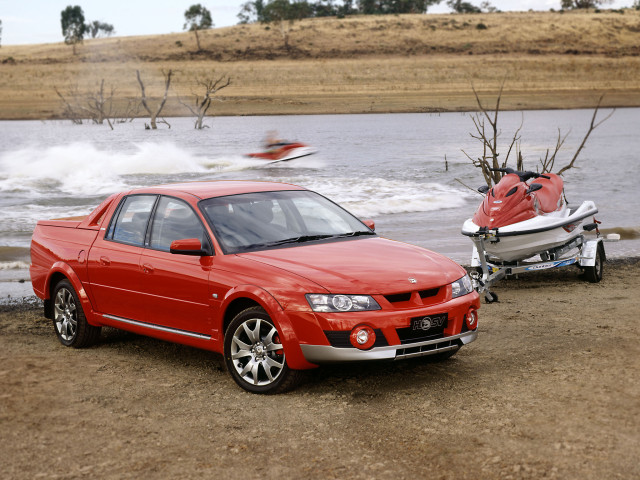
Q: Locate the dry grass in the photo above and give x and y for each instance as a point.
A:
(390, 63)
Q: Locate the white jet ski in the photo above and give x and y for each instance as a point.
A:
(517, 221)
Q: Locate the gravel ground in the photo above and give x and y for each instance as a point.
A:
(549, 390)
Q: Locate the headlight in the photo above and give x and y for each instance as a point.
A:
(461, 287)
(341, 303)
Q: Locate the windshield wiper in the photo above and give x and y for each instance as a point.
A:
(300, 239)
(304, 238)
(356, 234)
(286, 241)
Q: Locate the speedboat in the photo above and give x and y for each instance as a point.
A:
(284, 151)
(524, 220)
(519, 221)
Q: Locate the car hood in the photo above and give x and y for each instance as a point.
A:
(363, 266)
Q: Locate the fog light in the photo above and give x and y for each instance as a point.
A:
(362, 337)
(472, 319)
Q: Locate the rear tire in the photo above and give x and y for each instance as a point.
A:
(69, 321)
(594, 274)
(254, 355)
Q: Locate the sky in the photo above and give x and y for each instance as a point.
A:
(38, 21)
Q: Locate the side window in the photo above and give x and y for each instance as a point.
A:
(175, 220)
(131, 225)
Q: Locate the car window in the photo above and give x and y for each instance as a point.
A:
(259, 220)
(175, 220)
(131, 225)
(320, 217)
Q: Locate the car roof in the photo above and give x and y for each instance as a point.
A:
(216, 188)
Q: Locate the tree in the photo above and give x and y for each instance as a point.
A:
(382, 7)
(97, 106)
(197, 18)
(459, 6)
(73, 27)
(202, 103)
(284, 13)
(582, 4)
(145, 104)
(252, 11)
(491, 158)
(97, 29)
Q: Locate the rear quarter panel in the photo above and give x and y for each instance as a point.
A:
(54, 244)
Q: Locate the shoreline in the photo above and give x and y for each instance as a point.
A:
(460, 100)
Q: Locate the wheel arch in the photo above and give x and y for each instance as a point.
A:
(246, 296)
(63, 271)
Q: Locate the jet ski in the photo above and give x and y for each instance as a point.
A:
(527, 219)
(284, 151)
(524, 216)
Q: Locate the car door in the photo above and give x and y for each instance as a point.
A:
(175, 286)
(114, 269)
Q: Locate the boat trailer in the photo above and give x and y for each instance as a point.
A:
(589, 255)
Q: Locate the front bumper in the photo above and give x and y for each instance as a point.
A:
(329, 354)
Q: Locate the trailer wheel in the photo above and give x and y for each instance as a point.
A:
(490, 297)
(594, 274)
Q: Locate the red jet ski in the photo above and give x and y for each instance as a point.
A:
(284, 151)
(518, 221)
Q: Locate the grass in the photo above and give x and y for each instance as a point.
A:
(390, 63)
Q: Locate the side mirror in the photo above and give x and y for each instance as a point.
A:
(534, 187)
(483, 189)
(188, 246)
(371, 224)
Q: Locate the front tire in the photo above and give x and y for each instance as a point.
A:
(254, 354)
(69, 321)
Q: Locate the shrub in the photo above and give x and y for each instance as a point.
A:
(481, 26)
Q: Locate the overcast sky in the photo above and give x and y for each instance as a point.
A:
(38, 21)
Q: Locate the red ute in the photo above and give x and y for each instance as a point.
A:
(275, 277)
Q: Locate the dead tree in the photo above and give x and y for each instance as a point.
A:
(70, 110)
(488, 136)
(101, 106)
(94, 106)
(154, 115)
(201, 103)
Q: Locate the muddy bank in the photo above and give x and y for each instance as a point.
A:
(548, 390)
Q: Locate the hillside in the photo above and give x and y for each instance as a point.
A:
(357, 64)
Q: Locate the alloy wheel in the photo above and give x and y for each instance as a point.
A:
(256, 352)
(65, 315)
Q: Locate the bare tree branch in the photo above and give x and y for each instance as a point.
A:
(202, 103)
(490, 155)
(153, 115)
(592, 126)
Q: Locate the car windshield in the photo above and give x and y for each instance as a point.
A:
(256, 221)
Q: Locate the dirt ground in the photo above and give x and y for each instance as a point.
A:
(549, 390)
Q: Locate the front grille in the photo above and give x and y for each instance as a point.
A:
(340, 339)
(431, 348)
(429, 293)
(407, 336)
(397, 299)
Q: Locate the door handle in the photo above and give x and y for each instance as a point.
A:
(105, 261)
(146, 268)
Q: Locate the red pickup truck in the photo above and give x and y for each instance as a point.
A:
(277, 278)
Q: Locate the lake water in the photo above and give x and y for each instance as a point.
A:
(387, 167)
